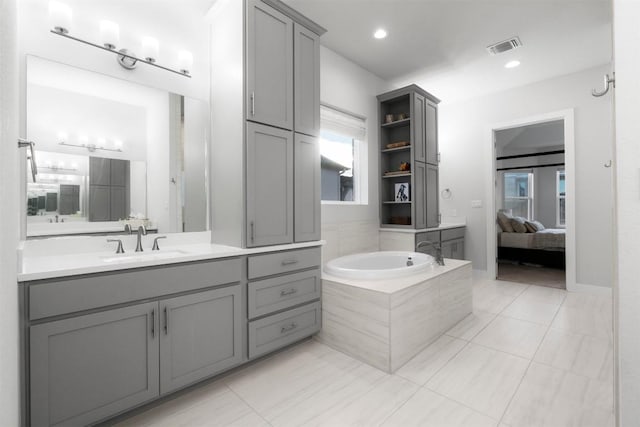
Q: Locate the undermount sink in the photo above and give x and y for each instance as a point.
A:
(144, 256)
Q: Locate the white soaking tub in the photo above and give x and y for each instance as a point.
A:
(380, 265)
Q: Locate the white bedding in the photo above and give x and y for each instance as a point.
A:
(551, 239)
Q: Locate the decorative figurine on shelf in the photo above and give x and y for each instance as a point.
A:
(405, 166)
(402, 192)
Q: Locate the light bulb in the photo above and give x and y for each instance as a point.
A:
(185, 61)
(60, 16)
(110, 34)
(150, 49)
(380, 33)
(512, 64)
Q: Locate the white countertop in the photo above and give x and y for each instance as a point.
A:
(443, 226)
(38, 266)
(390, 286)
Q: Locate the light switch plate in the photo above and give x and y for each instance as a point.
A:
(476, 203)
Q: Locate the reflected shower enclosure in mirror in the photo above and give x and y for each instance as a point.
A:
(111, 152)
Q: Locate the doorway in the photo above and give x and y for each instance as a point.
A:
(532, 163)
(530, 204)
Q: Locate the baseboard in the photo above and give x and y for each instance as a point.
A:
(590, 289)
(480, 275)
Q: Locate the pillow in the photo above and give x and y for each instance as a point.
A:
(504, 221)
(535, 226)
(517, 223)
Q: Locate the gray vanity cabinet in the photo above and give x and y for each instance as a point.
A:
(432, 196)
(269, 185)
(306, 80)
(418, 128)
(419, 195)
(431, 132)
(269, 53)
(306, 188)
(200, 335)
(89, 367)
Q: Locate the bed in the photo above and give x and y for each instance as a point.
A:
(545, 247)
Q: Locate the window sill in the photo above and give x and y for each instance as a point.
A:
(341, 203)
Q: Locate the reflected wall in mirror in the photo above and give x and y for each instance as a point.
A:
(111, 152)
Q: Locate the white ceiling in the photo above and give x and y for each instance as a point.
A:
(440, 44)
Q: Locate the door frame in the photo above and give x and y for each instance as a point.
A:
(567, 116)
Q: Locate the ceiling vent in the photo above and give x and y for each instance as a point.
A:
(504, 46)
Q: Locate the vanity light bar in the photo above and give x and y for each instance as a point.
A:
(90, 147)
(125, 58)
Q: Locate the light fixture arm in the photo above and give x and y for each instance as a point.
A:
(122, 54)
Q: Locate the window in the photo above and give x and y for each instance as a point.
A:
(343, 156)
(518, 193)
(561, 204)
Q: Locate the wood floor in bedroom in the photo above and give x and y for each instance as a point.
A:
(531, 275)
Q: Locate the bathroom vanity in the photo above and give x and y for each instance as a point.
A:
(450, 237)
(101, 337)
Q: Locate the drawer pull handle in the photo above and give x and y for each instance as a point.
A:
(285, 292)
(289, 261)
(291, 327)
(153, 323)
(166, 321)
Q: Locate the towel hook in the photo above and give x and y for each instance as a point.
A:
(607, 82)
(608, 164)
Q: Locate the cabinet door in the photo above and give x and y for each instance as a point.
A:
(433, 200)
(87, 368)
(431, 132)
(269, 185)
(118, 205)
(269, 66)
(307, 188)
(419, 199)
(418, 128)
(99, 171)
(448, 249)
(306, 77)
(200, 336)
(119, 172)
(99, 203)
(457, 249)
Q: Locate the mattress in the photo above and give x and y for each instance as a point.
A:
(551, 239)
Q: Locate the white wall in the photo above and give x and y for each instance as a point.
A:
(465, 129)
(352, 228)
(9, 218)
(627, 164)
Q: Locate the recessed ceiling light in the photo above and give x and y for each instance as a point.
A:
(380, 33)
(512, 64)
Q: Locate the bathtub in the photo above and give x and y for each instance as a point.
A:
(377, 309)
(379, 265)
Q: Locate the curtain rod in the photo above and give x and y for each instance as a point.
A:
(519, 156)
(530, 167)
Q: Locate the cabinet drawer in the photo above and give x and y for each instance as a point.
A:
(70, 295)
(273, 332)
(432, 236)
(267, 296)
(283, 262)
(453, 233)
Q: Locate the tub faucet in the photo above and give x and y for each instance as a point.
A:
(141, 232)
(435, 246)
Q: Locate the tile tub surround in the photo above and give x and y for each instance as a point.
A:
(385, 323)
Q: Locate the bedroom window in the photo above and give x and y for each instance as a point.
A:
(343, 156)
(560, 199)
(518, 193)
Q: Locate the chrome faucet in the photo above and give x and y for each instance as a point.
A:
(127, 228)
(141, 232)
(435, 246)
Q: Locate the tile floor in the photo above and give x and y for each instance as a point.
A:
(527, 356)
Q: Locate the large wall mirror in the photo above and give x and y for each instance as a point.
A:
(110, 152)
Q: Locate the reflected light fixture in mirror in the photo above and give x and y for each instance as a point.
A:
(60, 16)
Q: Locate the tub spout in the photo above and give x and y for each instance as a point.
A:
(438, 249)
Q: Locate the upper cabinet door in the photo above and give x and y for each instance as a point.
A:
(307, 188)
(269, 185)
(431, 126)
(418, 128)
(307, 80)
(269, 66)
